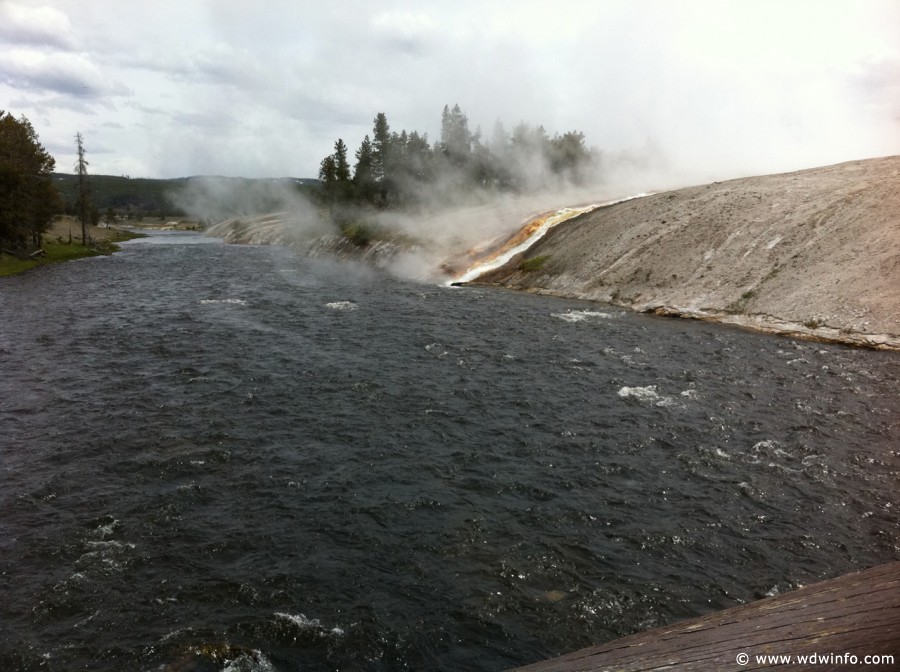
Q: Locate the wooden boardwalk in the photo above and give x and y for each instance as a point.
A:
(853, 615)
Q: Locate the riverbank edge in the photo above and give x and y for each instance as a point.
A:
(812, 254)
(10, 265)
(766, 324)
(59, 252)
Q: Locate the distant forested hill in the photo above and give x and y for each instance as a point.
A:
(137, 196)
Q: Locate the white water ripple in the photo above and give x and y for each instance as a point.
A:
(582, 315)
(647, 395)
(342, 305)
(311, 624)
(236, 302)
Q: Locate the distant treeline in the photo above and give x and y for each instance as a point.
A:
(125, 196)
(393, 169)
(128, 197)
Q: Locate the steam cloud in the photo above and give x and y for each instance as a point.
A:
(214, 200)
(444, 220)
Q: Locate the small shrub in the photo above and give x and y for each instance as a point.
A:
(739, 306)
(533, 264)
(358, 234)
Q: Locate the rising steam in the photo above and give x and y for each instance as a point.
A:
(259, 204)
(440, 212)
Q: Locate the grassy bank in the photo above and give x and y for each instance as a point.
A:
(61, 251)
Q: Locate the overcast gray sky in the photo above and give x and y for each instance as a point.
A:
(709, 89)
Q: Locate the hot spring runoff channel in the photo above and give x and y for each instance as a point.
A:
(221, 457)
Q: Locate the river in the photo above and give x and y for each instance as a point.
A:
(225, 457)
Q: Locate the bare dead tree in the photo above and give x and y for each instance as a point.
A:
(83, 188)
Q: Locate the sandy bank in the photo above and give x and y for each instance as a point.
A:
(68, 228)
(815, 253)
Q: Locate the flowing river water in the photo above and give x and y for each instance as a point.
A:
(219, 457)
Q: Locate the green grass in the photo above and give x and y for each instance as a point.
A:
(56, 252)
(59, 251)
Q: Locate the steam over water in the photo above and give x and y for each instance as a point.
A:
(228, 458)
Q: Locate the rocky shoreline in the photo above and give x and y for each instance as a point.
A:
(813, 254)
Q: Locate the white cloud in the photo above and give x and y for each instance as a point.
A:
(61, 72)
(708, 88)
(38, 26)
(410, 31)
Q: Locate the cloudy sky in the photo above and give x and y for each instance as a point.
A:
(704, 89)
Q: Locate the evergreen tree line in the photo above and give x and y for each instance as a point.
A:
(396, 169)
(28, 199)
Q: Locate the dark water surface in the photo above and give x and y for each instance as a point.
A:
(227, 458)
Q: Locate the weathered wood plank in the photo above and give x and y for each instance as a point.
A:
(853, 615)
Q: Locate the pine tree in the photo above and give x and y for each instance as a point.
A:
(381, 150)
(82, 204)
(343, 184)
(395, 169)
(363, 176)
(341, 167)
(328, 175)
(28, 199)
(456, 140)
(418, 157)
(569, 156)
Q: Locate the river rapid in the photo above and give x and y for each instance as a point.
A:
(224, 457)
